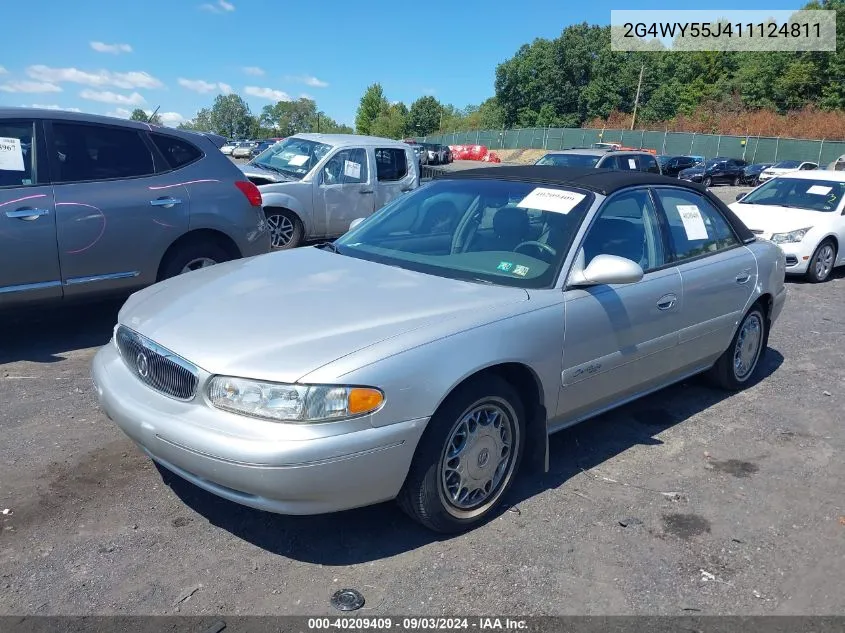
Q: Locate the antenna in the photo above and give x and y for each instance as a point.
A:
(153, 114)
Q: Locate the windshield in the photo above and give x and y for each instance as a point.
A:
(569, 160)
(787, 164)
(293, 157)
(493, 231)
(798, 193)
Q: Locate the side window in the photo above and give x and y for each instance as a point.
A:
(627, 226)
(649, 164)
(808, 166)
(391, 164)
(347, 167)
(176, 152)
(696, 226)
(97, 152)
(17, 154)
(628, 162)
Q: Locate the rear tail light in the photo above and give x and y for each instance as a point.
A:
(250, 191)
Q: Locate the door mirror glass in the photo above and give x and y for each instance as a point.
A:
(608, 269)
(355, 223)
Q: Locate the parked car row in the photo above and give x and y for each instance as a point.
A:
(247, 149)
(625, 160)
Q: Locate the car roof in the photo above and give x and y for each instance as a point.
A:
(818, 174)
(603, 181)
(342, 140)
(82, 117)
(590, 151)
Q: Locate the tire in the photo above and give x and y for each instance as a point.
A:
(725, 373)
(426, 493)
(707, 182)
(737, 181)
(286, 229)
(822, 262)
(192, 256)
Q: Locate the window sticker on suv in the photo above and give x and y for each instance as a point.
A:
(11, 154)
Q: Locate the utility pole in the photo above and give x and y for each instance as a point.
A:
(637, 99)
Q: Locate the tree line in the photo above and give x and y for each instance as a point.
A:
(576, 80)
(230, 116)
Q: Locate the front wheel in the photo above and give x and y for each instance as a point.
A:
(737, 366)
(737, 181)
(821, 263)
(707, 181)
(286, 229)
(467, 457)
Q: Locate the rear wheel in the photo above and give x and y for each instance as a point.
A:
(821, 263)
(737, 181)
(286, 229)
(467, 457)
(707, 181)
(736, 367)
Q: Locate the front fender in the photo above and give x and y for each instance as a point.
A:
(281, 199)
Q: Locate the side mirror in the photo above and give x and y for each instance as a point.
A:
(608, 269)
(740, 196)
(355, 223)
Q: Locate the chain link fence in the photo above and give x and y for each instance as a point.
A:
(754, 149)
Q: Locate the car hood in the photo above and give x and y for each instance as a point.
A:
(771, 219)
(283, 315)
(254, 170)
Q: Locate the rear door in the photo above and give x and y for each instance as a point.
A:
(113, 213)
(29, 262)
(344, 190)
(718, 272)
(395, 174)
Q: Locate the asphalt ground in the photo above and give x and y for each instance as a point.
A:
(691, 501)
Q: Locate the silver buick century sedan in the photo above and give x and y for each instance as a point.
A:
(440, 341)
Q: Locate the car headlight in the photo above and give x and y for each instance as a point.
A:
(297, 404)
(792, 236)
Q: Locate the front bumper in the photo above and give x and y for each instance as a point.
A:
(798, 256)
(251, 461)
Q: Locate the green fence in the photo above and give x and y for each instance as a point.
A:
(751, 148)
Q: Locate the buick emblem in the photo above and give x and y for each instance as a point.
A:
(142, 364)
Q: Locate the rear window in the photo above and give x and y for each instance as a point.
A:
(569, 160)
(177, 153)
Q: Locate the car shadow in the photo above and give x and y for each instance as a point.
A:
(44, 335)
(800, 280)
(382, 531)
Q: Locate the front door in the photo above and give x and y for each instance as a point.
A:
(344, 191)
(29, 263)
(395, 174)
(718, 273)
(112, 213)
(621, 339)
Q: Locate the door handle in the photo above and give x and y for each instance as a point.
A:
(743, 277)
(364, 191)
(165, 202)
(27, 214)
(667, 302)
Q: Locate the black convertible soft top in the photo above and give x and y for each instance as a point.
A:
(601, 181)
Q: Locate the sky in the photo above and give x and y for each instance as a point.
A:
(100, 57)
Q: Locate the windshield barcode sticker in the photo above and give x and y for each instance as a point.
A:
(554, 200)
(693, 222)
(298, 160)
(819, 190)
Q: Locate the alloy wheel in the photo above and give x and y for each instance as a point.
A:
(281, 230)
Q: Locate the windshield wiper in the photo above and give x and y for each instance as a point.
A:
(328, 246)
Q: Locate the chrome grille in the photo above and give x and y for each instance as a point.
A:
(155, 366)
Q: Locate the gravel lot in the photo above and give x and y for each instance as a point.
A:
(688, 502)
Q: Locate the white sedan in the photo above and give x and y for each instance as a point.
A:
(786, 167)
(802, 212)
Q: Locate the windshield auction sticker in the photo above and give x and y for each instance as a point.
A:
(720, 30)
(554, 200)
(11, 155)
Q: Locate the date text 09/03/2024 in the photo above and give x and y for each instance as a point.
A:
(418, 624)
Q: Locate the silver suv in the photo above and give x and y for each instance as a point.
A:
(626, 160)
(92, 205)
(315, 185)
